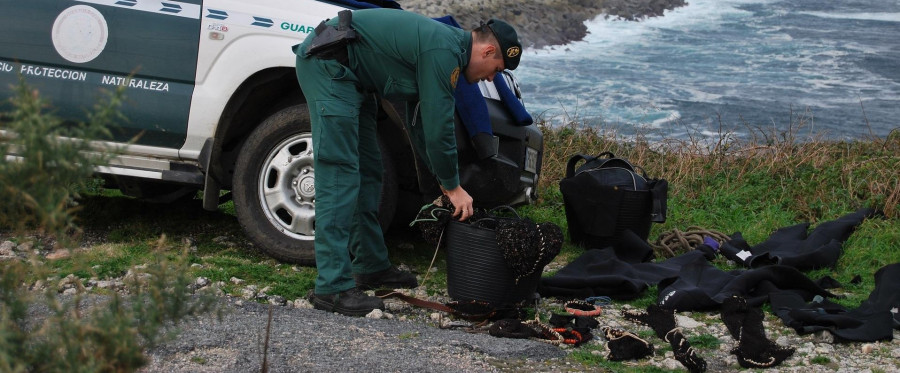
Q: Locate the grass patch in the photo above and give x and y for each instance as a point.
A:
(282, 279)
(705, 341)
(593, 358)
(198, 360)
(820, 360)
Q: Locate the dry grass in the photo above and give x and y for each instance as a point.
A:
(867, 171)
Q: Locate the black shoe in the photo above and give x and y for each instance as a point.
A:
(391, 278)
(351, 302)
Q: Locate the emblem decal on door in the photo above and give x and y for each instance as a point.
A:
(79, 33)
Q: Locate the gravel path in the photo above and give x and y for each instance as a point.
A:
(411, 339)
(312, 340)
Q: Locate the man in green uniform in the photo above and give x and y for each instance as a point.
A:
(398, 55)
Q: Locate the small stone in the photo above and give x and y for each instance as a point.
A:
(59, 254)
(302, 303)
(25, 247)
(825, 349)
(686, 322)
(867, 348)
(70, 291)
(277, 300)
(823, 337)
(249, 292)
(7, 248)
(596, 353)
(196, 265)
(67, 281)
(672, 364)
(806, 348)
(202, 282)
(375, 314)
(236, 281)
(435, 316)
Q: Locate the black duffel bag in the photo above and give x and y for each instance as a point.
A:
(606, 196)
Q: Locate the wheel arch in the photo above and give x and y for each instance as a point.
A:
(259, 96)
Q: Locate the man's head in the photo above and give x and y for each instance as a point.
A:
(495, 46)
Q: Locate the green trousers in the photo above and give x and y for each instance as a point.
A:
(348, 174)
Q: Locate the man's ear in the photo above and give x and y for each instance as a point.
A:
(488, 51)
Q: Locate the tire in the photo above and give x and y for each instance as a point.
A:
(274, 194)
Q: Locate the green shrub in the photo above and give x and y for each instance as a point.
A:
(38, 191)
(39, 186)
(92, 333)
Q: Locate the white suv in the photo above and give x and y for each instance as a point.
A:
(213, 102)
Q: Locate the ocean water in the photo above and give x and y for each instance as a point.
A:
(739, 67)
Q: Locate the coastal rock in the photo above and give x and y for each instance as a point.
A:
(542, 23)
(7, 248)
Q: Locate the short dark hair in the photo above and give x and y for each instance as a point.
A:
(484, 35)
(508, 41)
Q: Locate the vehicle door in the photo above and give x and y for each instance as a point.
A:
(72, 51)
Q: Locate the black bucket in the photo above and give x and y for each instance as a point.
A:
(477, 271)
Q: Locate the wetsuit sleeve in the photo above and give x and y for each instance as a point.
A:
(436, 96)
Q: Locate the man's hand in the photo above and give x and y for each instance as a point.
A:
(461, 200)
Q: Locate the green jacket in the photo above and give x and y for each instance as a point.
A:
(406, 56)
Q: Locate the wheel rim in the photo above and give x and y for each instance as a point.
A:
(286, 187)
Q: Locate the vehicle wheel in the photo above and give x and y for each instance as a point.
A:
(274, 193)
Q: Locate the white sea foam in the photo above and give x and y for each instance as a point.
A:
(886, 17)
(728, 59)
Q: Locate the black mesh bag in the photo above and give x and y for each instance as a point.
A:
(606, 196)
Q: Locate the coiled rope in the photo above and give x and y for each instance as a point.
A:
(673, 242)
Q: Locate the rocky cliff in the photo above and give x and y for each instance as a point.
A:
(541, 22)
